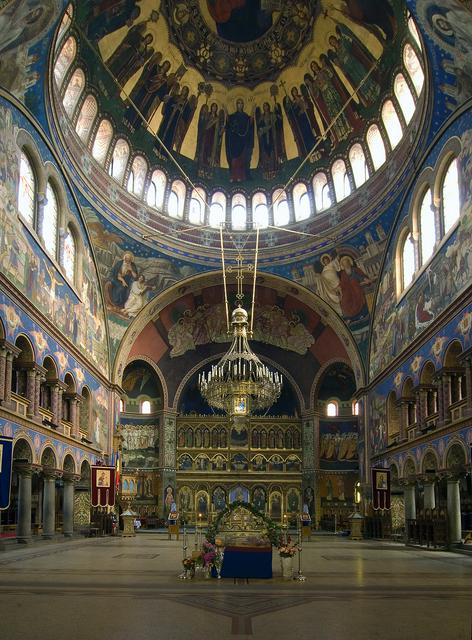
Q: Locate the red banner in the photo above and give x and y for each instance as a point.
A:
(381, 488)
(103, 486)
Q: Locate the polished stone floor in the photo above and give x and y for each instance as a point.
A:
(114, 588)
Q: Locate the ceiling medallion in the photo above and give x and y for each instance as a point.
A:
(240, 41)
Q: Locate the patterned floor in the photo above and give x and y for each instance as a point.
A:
(129, 588)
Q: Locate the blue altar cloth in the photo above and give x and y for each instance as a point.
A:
(247, 562)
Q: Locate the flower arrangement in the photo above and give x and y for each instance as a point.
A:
(188, 564)
(208, 554)
(288, 549)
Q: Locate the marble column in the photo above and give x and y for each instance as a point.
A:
(429, 498)
(60, 392)
(410, 501)
(37, 393)
(75, 416)
(454, 510)
(441, 412)
(8, 377)
(23, 529)
(68, 507)
(468, 386)
(49, 504)
(446, 389)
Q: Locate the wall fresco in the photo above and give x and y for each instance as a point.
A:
(24, 262)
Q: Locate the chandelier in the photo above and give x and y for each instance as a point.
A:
(240, 383)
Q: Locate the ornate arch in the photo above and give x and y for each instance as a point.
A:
(157, 371)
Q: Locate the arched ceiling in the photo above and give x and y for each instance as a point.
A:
(239, 95)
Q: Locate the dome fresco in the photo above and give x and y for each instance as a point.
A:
(254, 112)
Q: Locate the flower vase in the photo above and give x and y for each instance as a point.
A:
(286, 562)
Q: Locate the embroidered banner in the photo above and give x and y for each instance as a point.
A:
(103, 486)
(6, 462)
(381, 488)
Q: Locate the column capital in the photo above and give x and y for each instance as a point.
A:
(9, 348)
(23, 468)
(52, 474)
(69, 477)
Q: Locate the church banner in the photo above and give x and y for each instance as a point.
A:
(381, 488)
(6, 462)
(103, 486)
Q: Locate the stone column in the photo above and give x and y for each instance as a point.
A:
(68, 506)
(454, 510)
(75, 416)
(60, 392)
(37, 393)
(49, 504)
(441, 412)
(404, 425)
(410, 501)
(468, 386)
(31, 392)
(23, 529)
(3, 368)
(8, 378)
(446, 389)
(429, 498)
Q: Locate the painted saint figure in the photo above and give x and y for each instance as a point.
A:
(211, 125)
(131, 54)
(302, 121)
(122, 275)
(137, 297)
(239, 143)
(271, 139)
(177, 113)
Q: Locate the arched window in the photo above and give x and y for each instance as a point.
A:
(69, 255)
(157, 189)
(427, 227)
(301, 202)
(358, 164)
(122, 405)
(196, 212)
(217, 209)
(119, 160)
(413, 66)
(408, 261)
(355, 408)
(175, 206)
(376, 146)
(342, 188)
(65, 59)
(332, 409)
(321, 192)
(450, 197)
(260, 211)
(102, 141)
(73, 92)
(86, 117)
(27, 190)
(145, 406)
(137, 176)
(238, 211)
(50, 219)
(280, 208)
(404, 97)
(392, 123)
(65, 22)
(414, 32)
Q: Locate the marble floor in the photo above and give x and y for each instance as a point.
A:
(127, 588)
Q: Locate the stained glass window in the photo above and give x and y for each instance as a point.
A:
(69, 255)
(139, 170)
(413, 66)
(408, 261)
(26, 190)
(451, 202)
(119, 160)
(404, 97)
(376, 146)
(321, 192)
(280, 207)
(260, 211)
(102, 141)
(238, 211)
(358, 164)
(427, 227)
(196, 214)
(176, 202)
(65, 22)
(157, 188)
(65, 59)
(73, 92)
(217, 209)
(86, 117)
(340, 179)
(49, 226)
(392, 123)
(301, 202)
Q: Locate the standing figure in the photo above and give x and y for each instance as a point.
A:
(351, 281)
(177, 113)
(302, 121)
(131, 54)
(137, 297)
(107, 16)
(211, 124)
(239, 143)
(271, 139)
(356, 61)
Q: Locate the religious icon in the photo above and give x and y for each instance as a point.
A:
(103, 479)
(240, 405)
(381, 481)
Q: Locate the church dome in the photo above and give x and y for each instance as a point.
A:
(259, 114)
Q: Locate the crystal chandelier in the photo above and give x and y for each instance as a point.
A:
(240, 383)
